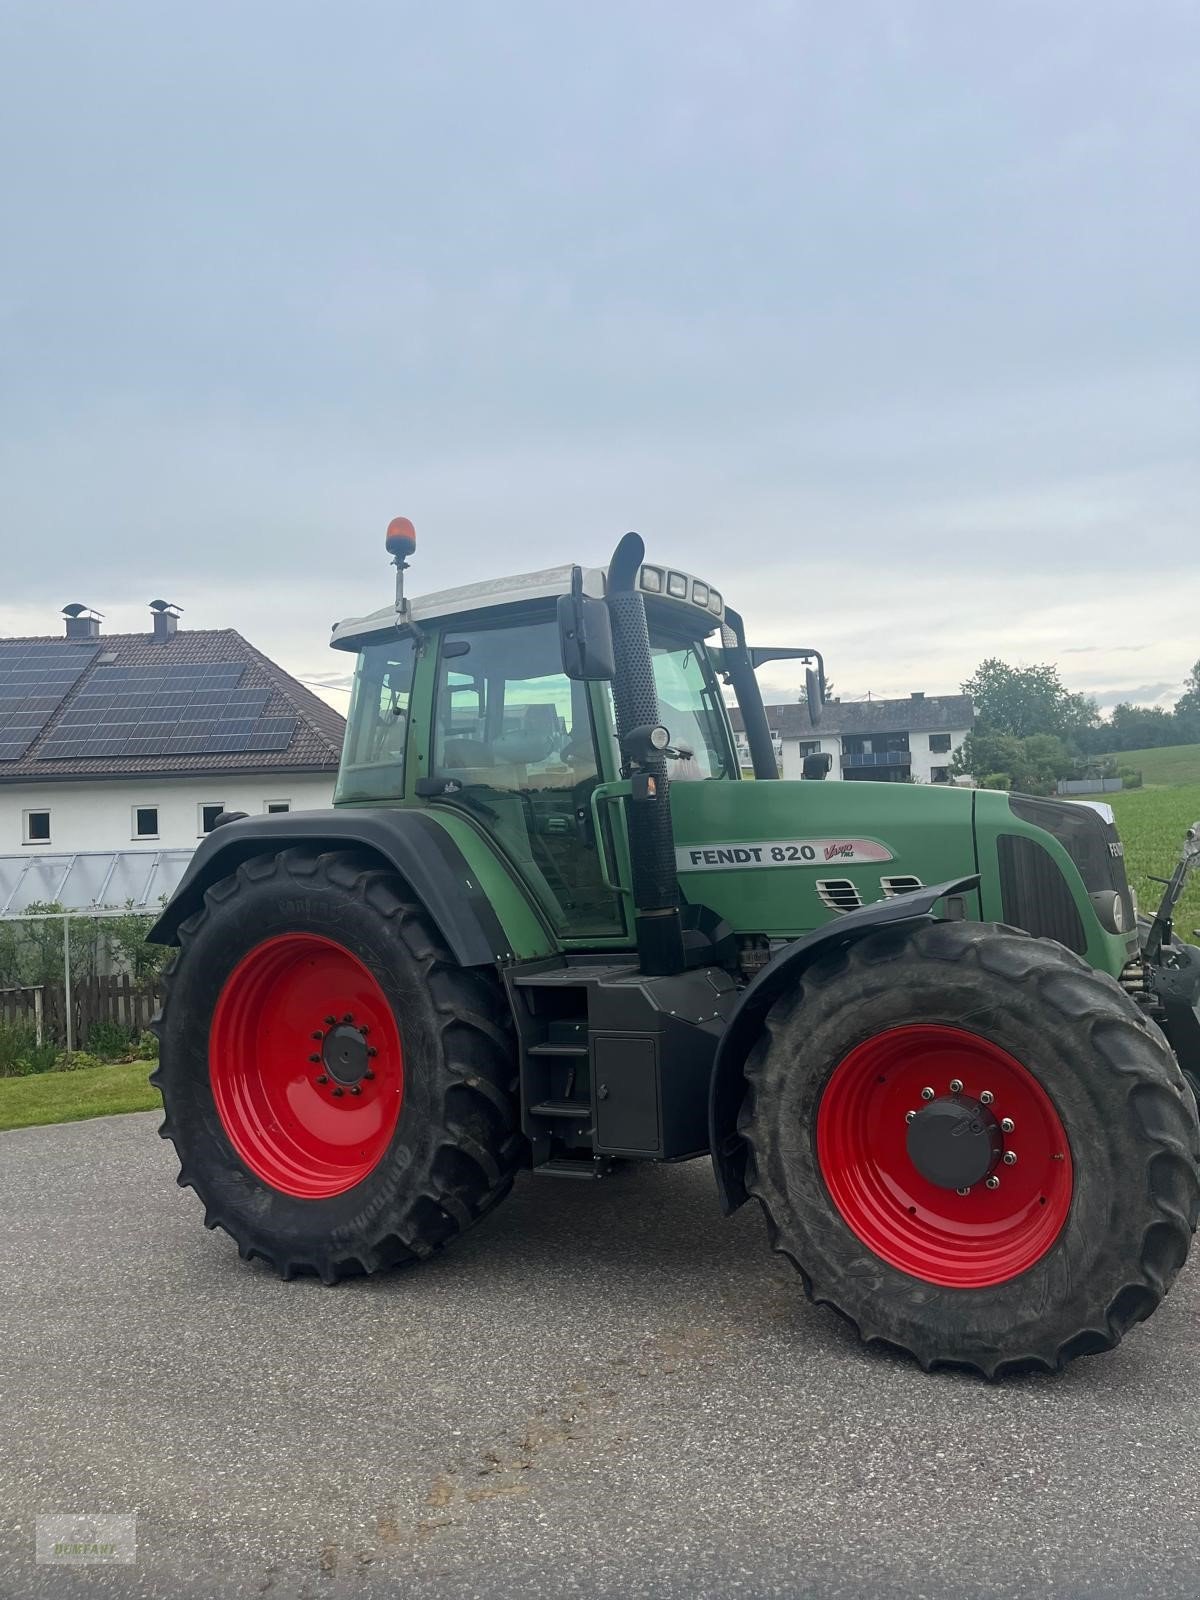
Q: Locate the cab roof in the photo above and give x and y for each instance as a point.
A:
(547, 584)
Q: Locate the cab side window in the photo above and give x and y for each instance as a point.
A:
(377, 725)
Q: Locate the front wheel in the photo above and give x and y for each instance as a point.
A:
(973, 1146)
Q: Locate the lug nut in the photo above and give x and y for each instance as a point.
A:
(321, 1078)
(955, 1085)
(317, 1034)
(355, 1089)
(368, 1073)
(348, 1017)
(926, 1094)
(363, 1029)
(330, 1021)
(909, 1115)
(338, 1093)
(1007, 1125)
(314, 1058)
(1010, 1158)
(986, 1098)
(993, 1182)
(962, 1191)
(371, 1050)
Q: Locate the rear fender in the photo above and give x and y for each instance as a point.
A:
(419, 849)
(727, 1085)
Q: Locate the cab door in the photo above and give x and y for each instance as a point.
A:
(514, 736)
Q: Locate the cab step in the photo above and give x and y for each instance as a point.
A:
(562, 1167)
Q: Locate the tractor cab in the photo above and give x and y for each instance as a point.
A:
(463, 700)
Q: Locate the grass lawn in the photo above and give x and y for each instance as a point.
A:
(1175, 763)
(1153, 823)
(72, 1096)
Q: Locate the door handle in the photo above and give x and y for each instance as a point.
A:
(603, 794)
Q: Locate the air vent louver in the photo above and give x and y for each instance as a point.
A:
(839, 894)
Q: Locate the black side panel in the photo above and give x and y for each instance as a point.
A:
(421, 852)
(727, 1085)
(1035, 895)
(627, 1092)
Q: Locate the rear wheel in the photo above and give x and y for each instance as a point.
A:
(341, 1095)
(973, 1146)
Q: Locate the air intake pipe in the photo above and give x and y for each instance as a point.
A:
(651, 836)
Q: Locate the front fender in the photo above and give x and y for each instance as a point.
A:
(412, 842)
(727, 1083)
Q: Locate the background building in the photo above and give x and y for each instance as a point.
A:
(886, 741)
(137, 741)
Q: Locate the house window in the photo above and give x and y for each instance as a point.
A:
(37, 827)
(210, 810)
(939, 774)
(273, 808)
(939, 743)
(145, 822)
(810, 747)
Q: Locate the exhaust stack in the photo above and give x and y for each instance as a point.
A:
(651, 836)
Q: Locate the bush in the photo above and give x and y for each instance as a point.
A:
(146, 1049)
(1130, 779)
(76, 1061)
(110, 1041)
(16, 1043)
(40, 1057)
(996, 780)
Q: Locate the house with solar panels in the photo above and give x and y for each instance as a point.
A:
(120, 751)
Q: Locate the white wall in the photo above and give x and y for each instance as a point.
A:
(923, 760)
(793, 761)
(99, 815)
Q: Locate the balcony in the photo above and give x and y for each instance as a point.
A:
(879, 758)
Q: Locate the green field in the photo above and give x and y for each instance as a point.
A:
(1153, 823)
(1173, 764)
(72, 1096)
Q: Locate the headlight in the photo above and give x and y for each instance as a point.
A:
(1110, 909)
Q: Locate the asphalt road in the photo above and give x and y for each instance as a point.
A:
(607, 1389)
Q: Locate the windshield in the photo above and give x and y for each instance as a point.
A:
(689, 705)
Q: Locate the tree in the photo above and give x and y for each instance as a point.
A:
(1020, 701)
(1187, 708)
(998, 760)
(1140, 727)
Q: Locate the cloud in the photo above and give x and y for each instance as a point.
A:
(886, 326)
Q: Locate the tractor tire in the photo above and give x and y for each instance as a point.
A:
(341, 1095)
(903, 1211)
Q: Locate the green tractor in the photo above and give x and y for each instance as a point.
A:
(547, 924)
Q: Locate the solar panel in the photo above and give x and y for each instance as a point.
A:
(186, 708)
(34, 678)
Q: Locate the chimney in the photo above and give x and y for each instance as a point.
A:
(166, 619)
(82, 621)
(918, 694)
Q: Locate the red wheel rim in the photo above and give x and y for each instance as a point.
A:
(970, 1241)
(298, 1020)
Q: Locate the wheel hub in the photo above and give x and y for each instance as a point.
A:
(344, 1054)
(954, 1142)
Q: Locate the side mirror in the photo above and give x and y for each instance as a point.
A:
(585, 634)
(815, 695)
(814, 680)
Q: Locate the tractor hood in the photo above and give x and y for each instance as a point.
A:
(782, 858)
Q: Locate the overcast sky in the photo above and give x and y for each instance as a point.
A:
(882, 316)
